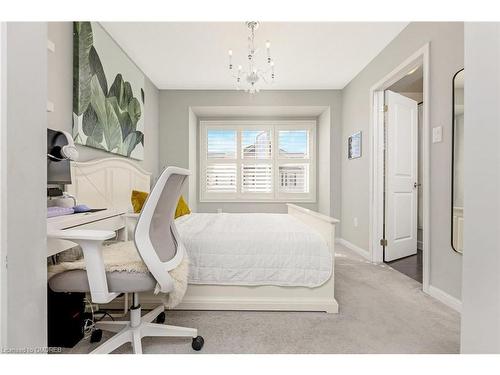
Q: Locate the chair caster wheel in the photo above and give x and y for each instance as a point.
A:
(160, 319)
(96, 335)
(197, 343)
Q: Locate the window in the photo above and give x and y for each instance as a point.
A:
(257, 161)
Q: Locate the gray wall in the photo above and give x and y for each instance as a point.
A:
(3, 184)
(60, 92)
(174, 132)
(446, 58)
(481, 269)
(25, 184)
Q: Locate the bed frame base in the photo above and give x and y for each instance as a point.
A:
(331, 307)
(268, 297)
(118, 176)
(235, 304)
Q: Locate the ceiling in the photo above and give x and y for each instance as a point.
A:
(413, 82)
(193, 55)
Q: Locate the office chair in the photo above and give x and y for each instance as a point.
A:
(161, 249)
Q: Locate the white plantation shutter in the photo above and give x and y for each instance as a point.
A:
(257, 161)
(221, 178)
(294, 143)
(294, 178)
(221, 144)
(256, 144)
(295, 162)
(256, 178)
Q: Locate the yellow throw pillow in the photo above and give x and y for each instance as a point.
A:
(138, 198)
(182, 208)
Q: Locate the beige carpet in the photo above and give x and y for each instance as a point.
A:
(381, 311)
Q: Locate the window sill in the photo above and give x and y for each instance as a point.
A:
(257, 201)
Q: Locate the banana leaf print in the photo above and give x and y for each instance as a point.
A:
(106, 118)
(83, 40)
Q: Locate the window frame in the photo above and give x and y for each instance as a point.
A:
(275, 160)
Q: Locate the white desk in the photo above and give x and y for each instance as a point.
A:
(110, 219)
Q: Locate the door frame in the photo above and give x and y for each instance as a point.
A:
(419, 57)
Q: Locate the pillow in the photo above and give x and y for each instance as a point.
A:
(182, 208)
(139, 197)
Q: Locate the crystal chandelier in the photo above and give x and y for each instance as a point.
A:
(250, 79)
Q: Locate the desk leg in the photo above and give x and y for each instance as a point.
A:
(122, 234)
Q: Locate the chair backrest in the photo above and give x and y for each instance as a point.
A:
(156, 237)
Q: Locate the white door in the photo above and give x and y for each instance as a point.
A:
(401, 176)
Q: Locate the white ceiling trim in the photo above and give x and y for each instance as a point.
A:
(253, 111)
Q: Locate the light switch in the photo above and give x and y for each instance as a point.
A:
(355, 222)
(437, 134)
(51, 46)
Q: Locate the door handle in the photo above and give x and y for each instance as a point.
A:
(415, 185)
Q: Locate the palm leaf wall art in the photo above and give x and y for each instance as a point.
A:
(106, 114)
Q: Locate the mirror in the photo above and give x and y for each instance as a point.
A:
(457, 188)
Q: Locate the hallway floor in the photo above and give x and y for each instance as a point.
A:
(410, 266)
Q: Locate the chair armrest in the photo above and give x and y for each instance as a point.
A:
(131, 215)
(91, 243)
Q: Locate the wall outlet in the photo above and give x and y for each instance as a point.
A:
(437, 134)
(219, 210)
(355, 221)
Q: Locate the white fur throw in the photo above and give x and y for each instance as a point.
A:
(123, 256)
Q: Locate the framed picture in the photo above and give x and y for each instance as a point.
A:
(354, 146)
(108, 94)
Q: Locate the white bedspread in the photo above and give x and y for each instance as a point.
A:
(254, 249)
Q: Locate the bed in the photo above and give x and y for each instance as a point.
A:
(238, 261)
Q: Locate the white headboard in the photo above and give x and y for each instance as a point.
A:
(107, 183)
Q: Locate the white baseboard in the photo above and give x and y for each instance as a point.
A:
(358, 250)
(445, 298)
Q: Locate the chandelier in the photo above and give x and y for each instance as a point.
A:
(251, 78)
